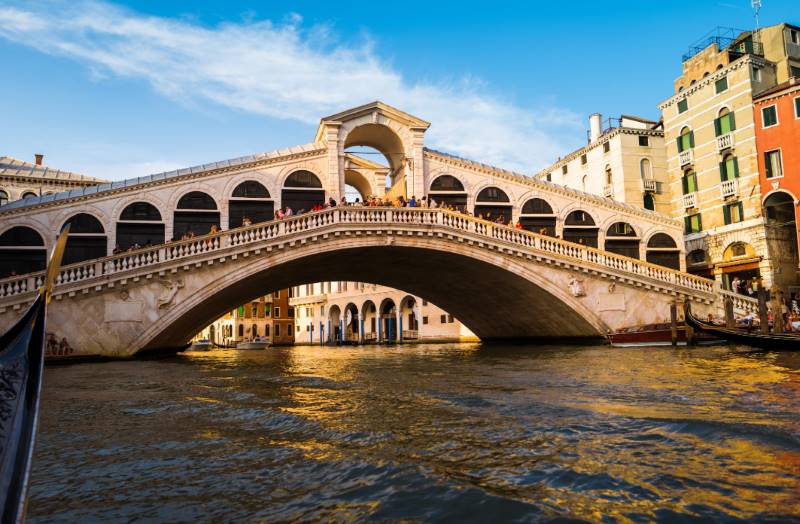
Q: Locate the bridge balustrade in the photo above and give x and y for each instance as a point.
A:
(260, 232)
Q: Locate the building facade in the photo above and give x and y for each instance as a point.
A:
(624, 160)
(356, 312)
(777, 127)
(712, 159)
(20, 179)
(269, 317)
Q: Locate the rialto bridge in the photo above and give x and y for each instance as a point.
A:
(583, 266)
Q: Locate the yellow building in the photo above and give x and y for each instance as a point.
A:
(711, 149)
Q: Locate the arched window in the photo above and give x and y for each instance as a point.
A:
(250, 200)
(21, 251)
(644, 169)
(492, 203)
(584, 180)
(3, 198)
(447, 190)
(254, 331)
(728, 168)
(86, 240)
(697, 262)
(196, 213)
(302, 191)
(29, 194)
(579, 227)
(663, 251)
(536, 206)
(139, 225)
(241, 330)
(725, 122)
(649, 202)
(538, 216)
(685, 140)
(621, 239)
(609, 178)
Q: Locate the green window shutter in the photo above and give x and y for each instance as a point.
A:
(723, 175)
(687, 225)
(685, 184)
(680, 145)
(735, 167)
(718, 126)
(699, 222)
(691, 138)
(726, 212)
(741, 211)
(732, 120)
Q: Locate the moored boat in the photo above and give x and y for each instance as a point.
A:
(256, 343)
(782, 342)
(656, 335)
(202, 344)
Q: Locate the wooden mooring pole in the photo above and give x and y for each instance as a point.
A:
(762, 310)
(729, 320)
(673, 322)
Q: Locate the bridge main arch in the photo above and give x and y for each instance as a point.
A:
(496, 299)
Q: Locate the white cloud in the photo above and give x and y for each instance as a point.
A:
(286, 71)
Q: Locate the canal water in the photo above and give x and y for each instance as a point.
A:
(430, 433)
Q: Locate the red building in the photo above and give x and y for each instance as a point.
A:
(777, 122)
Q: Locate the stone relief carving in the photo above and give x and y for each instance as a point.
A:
(171, 288)
(576, 287)
(611, 287)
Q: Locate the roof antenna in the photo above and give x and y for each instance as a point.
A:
(757, 6)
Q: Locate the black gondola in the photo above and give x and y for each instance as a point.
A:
(21, 363)
(778, 342)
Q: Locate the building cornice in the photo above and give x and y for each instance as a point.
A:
(736, 64)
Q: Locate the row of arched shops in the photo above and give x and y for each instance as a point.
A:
(141, 223)
(386, 321)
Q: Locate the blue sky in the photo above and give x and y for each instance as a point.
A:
(117, 90)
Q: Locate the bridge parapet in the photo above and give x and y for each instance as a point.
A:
(82, 277)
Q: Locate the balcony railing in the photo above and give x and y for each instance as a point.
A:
(649, 185)
(725, 141)
(410, 334)
(729, 188)
(690, 200)
(685, 157)
(608, 191)
(370, 337)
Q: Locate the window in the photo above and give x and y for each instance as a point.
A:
(290, 312)
(298, 328)
(721, 85)
(774, 166)
(725, 123)
(450, 319)
(644, 141)
(606, 147)
(686, 140)
(425, 320)
(241, 330)
(443, 319)
(794, 35)
(276, 312)
(794, 70)
(276, 294)
(689, 182)
(322, 311)
(3, 198)
(549, 177)
(756, 74)
(733, 213)
(693, 224)
(797, 106)
(424, 302)
(649, 202)
(683, 105)
(266, 330)
(608, 175)
(564, 169)
(769, 116)
(277, 330)
(738, 249)
(267, 309)
(583, 160)
(255, 309)
(728, 168)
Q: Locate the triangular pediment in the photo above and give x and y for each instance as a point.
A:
(378, 107)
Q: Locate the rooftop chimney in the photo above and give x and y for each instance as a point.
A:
(39, 158)
(595, 126)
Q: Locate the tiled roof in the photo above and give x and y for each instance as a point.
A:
(108, 186)
(10, 166)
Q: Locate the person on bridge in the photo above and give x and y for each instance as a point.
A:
(412, 202)
(331, 202)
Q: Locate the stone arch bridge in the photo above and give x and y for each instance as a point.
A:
(583, 265)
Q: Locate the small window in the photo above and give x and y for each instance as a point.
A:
(773, 164)
(276, 294)
(693, 224)
(685, 140)
(425, 320)
(794, 35)
(276, 312)
(549, 177)
(738, 249)
(683, 105)
(644, 141)
(266, 330)
(728, 168)
(277, 330)
(721, 85)
(769, 116)
(255, 309)
(583, 160)
(290, 311)
(733, 213)
(443, 319)
(298, 328)
(689, 181)
(606, 147)
(756, 74)
(794, 71)
(797, 106)
(450, 319)
(564, 169)
(725, 123)
(3, 198)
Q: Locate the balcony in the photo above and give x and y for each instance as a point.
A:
(729, 188)
(725, 142)
(608, 191)
(649, 185)
(685, 157)
(690, 200)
